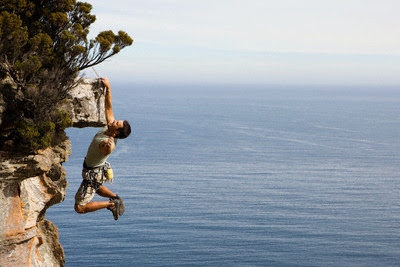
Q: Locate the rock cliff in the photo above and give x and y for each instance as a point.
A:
(85, 103)
(30, 184)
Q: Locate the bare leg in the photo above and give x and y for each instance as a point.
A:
(93, 206)
(105, 192)
(97, 205)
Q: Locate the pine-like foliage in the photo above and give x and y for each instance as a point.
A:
(43, 46)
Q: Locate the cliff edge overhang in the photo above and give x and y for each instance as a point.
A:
(85, 103)
(30, 184)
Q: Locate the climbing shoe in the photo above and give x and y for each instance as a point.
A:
(114, 209)
(121, 207)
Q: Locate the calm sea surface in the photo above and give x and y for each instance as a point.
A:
(244, 176)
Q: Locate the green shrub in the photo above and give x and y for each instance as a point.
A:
(34, 137)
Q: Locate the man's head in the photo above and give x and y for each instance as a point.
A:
(122, 129)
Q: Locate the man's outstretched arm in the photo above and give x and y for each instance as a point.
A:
(108, 101)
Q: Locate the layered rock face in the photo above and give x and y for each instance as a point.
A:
(85, 103)
(30, 184)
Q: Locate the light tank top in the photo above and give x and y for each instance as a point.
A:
(94, 157)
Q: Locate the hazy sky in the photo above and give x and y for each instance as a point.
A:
(254, 41)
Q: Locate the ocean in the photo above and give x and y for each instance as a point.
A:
(244, 176)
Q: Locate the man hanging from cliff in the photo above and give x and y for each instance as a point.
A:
(95, 168)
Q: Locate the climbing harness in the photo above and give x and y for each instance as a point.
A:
(95, 177)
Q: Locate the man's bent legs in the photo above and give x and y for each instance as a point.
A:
(82, 207)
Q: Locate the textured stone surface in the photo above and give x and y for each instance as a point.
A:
(30, 184)
(28, 187)
(85, 103)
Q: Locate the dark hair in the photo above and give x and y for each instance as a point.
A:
(125, 131)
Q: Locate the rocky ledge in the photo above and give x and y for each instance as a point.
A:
(30, 184)
(85, 103)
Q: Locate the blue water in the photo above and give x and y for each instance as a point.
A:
(244, 176)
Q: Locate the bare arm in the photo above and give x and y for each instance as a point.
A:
(107, 146)
(108, 102)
